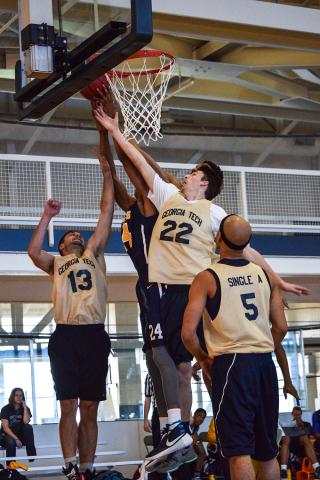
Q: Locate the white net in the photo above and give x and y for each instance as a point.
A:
(139, 86)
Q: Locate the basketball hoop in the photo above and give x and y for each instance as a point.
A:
(139, 85)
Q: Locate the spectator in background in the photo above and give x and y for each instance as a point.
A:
(198, 439)
(15, 419)
(298, 442)
(149, 398)
(316, 429)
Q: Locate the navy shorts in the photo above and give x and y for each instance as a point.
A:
(246, 404)
(173, 304)
(148, 296)
(79, 361)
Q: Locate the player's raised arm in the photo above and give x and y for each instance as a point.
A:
(136, 157)
(99, 239)
(121, 195)
(41, 258)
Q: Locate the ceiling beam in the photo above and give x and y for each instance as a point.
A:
(239, 12)
(271, 84)
(236, 108)
(67, 6)
(212, 31)
(8, 23)
(178, 47)
(224, 90)
(208, 49)
(265, 57)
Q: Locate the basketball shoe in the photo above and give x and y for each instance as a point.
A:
(174, 439)
(176, 459)
(72, 472)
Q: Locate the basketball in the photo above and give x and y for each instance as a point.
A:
(91, 91)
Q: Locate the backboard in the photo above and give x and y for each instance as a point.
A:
(114, 28)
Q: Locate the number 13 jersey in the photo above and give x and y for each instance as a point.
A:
(182, 241)
(79, 291)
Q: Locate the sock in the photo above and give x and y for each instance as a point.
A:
(174, 415)
(186, 425)
(163, 422)
(68, 460)
(86, 466)
(284, 467)
(315, 465)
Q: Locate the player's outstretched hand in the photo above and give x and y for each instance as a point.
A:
(195, 369)
(107, 101)
(52, 207)
(289, 388)
(293, 288)
(110, 124)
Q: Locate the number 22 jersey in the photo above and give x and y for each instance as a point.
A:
(182, 242)
(79, 291)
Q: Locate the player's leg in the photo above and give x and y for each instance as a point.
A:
(234, 401)
(241, 468)
(149, 301)
(269, 470)
(87, 434)
(185, 392)
(177, 437)
(157, 385)
(156, 328)
(94, 349)
(266, 419)
(64, 368)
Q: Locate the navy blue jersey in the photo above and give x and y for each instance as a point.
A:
(136, 235)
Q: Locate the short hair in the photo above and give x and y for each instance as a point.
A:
(297, 408)
(62, 239)
(13, 394)
(214, 175)
(200, 410)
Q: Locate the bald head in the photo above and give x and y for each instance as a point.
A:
(235, 232)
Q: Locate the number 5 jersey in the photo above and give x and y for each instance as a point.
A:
(79, 291)
(237, 317)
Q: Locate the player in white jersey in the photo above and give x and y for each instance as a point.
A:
(79, 347)
(243, 324)
(179, 249)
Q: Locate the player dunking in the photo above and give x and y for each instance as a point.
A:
(79, 347)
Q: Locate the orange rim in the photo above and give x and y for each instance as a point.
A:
(145, 54)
